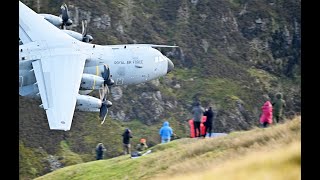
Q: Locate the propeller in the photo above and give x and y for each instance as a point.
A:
(105, 104)
(85, 37)
(103, 92)
(66, 21)
(106, 76)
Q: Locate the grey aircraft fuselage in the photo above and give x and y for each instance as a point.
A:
(128, 63)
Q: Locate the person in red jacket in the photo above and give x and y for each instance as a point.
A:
(266, 116)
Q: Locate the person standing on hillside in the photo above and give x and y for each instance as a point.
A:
(266, 116)
(278, 105)
(165, 132)
(126, 141)
(99, 151)
(208, 124)
(197, 112)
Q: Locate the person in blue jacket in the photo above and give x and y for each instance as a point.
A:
(165, 132)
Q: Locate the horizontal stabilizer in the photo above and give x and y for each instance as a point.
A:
(155, 45)
(142, 45)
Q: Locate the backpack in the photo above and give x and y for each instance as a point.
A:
(135, 154)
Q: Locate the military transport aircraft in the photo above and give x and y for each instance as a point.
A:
(62, 71)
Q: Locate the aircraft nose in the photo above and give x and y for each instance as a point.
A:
(170, 65)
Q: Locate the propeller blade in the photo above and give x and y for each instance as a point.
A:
(106, 92)
(106, 76)
(105, 103)
(103, 113)
(66, 21)
(64, 12)
(103, 92)
(85, 36)
(104, 110)
(84, 27)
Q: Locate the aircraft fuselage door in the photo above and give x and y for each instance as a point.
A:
(119, 81)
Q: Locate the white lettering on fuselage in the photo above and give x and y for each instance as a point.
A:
(119, 62)
(138, 62)
(129, 62)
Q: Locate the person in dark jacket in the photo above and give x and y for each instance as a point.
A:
(165, 132)
(126, 141)
(208, 124)
(99, 151)
(197, 112)
(278, 105)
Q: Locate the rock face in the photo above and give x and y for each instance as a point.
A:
(95, 21)
(53, 162)
(116, 93)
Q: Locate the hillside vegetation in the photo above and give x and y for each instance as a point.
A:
(232, 54)
(270, 153)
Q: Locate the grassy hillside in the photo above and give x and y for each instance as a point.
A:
(270, 153)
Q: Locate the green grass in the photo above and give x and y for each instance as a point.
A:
(270, 153)
(29, 164)
(211, 89)
(69, 157)
(266, 79)
(220, 91)
(235, 3)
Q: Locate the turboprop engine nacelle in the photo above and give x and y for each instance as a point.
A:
(74, 34)
(91, 82)
(56, 20)
(94, 68)
(88, 103)
(81, 37)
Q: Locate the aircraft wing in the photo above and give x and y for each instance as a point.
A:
(33, 27)
(58, 81)
(58, 71)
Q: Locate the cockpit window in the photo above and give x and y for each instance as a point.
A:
(158, 59)
(161, 58)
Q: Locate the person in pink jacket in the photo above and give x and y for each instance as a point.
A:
(266, 116)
